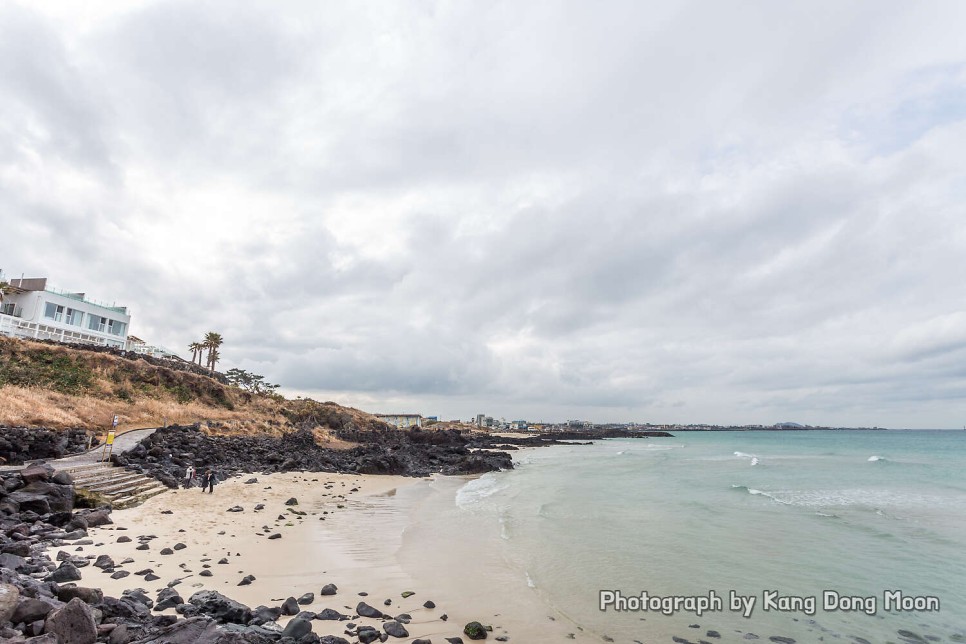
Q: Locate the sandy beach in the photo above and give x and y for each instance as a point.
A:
(346, 530)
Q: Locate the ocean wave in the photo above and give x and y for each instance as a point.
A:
(875, 459)
(751, 457)
(755, 492)
(478, 489)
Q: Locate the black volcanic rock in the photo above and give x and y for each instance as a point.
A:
(378, 451)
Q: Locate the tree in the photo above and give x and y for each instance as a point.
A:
(213, 357)
(250, 382)
(212, 342)
(197, 349)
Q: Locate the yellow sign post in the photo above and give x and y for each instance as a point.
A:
(109, 441)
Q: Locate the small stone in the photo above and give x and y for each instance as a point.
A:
(395, 629)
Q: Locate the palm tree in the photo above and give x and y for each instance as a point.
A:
(196, 348)
(212, 342)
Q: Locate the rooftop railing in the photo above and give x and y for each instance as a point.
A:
(80, 297)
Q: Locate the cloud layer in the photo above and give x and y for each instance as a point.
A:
(621, 211)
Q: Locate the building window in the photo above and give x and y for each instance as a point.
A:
(96, 323)
(54, 312)
(74, 317)
(115, 328)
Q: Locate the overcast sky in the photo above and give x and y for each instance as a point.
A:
(725, 212)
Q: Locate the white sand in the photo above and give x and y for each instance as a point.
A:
(324, 546)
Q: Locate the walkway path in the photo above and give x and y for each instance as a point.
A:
(122, 443)
(119, 486)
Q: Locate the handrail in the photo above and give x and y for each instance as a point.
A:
(80, 297)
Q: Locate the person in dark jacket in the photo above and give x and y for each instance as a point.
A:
(208, 481)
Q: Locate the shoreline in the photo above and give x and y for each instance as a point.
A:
(356, 532)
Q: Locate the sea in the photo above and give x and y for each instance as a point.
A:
(811, 536)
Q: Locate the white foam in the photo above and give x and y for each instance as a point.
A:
(873, 459)
(504, 530)
(478, 489)
(755, 492)
(754, 460)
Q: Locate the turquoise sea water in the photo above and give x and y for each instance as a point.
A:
(797, 512)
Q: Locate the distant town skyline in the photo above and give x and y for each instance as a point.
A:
(628, 211)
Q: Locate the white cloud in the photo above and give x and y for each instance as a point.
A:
(622, 211)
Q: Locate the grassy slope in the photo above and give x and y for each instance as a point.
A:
(59, 386)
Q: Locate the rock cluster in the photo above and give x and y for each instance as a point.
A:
(40, 604)
(20, 444)
(166, 454)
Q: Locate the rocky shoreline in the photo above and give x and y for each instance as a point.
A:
(166, 454)
(41, 603)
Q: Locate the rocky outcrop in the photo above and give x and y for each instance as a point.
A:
(166, 454)
(21, 444)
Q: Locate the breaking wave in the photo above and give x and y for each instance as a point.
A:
(478, 489)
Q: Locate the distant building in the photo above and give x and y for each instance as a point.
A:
(402, 421)
(518, 425)
(31, 309)
(137, 345)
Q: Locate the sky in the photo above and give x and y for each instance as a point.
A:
(711, 212)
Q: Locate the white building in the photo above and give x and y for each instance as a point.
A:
(137, 345)
(402, 421)
(31, 309)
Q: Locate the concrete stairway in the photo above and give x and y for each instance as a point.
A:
(122, 487)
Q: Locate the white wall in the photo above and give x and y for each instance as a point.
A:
(33, 323)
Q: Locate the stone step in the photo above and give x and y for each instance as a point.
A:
(109, 489)
(85, 468)
(116, 476)
(122, 487)
(127, 501)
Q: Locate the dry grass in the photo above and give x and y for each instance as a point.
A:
(60, 387)
(34, 407)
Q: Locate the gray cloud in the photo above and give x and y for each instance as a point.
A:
(551, 210)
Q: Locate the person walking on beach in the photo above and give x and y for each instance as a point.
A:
(189, 477)
(208, 481)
